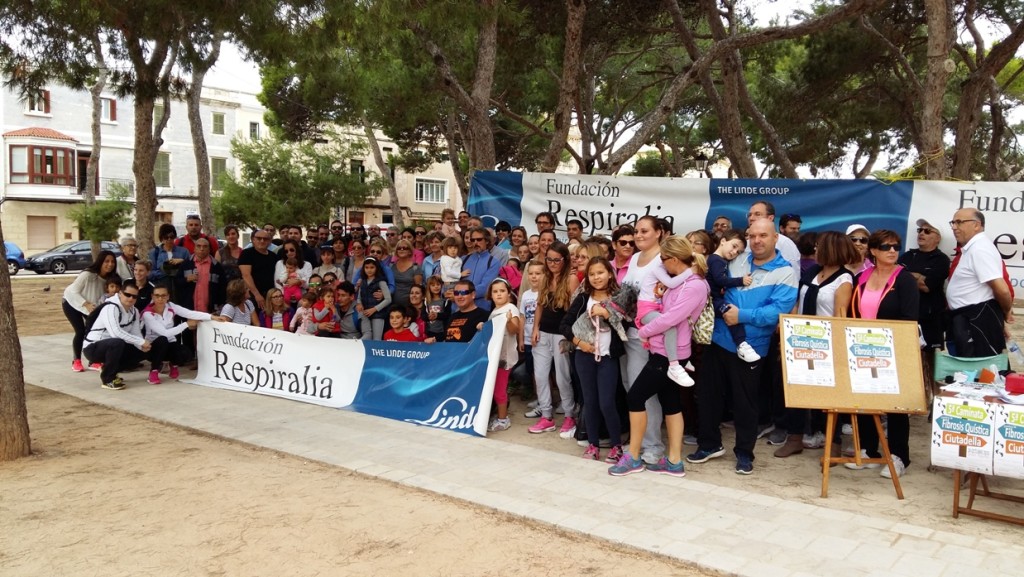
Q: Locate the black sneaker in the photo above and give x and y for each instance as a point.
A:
(744, 465)
(115, 385)
(702, 456)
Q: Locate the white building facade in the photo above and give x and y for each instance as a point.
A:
(46, 144)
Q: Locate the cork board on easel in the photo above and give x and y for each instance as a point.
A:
(851, 365)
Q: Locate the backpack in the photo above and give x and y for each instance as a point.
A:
(95, 314)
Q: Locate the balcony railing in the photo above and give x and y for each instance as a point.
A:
(105, 186)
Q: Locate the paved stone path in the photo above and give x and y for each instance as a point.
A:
(689, 520)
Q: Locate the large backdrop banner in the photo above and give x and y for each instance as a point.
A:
(444, 385)
(602, 203)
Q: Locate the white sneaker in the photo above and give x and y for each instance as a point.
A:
(815, 441)
(897, 464)
(864, 455)
(680, 376)
(499, 424)
(747, 353)
(532, 413)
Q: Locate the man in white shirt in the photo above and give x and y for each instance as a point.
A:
(115, 338)
(980, 302)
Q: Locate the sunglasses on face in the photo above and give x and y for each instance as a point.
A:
(886, 247)
(925, 231)
(859, 239)
(462, 293)
(556, 259)
(625, 243)
(130, 295)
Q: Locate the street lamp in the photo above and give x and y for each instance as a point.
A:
(701, 163)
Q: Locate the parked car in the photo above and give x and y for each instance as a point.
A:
(69, 256)
(15, 258)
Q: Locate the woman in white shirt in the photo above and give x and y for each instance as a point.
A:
(158, 319)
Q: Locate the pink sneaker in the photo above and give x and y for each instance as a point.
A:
(592, 453)
(154, 377)
(76, 365)
(614, 454)
(96, 367)
(544, 425)
(174, 372)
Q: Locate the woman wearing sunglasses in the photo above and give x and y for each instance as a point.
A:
(885, 291)
(858, 234)
(624, 247)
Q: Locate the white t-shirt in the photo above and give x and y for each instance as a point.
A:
(638, 276)
(529, 304)
(826, 295)
(980, 263)
(604, 336)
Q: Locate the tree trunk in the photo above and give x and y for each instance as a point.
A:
(195, 123)
(571, 62)
(151, 82)
(95, 91)
(15, 441)
(378, 159)
(939, 15)
(450, 130)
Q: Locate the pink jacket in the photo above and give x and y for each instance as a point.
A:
(678, 305)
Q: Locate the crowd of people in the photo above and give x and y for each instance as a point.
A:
(599, 328)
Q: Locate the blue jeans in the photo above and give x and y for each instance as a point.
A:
(599, 381)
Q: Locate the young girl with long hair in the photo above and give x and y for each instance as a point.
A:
(374, 311)
(552, 304)
(597, 358)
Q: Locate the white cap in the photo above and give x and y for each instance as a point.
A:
(855, 227)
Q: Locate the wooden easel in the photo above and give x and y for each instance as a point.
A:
(886, 459)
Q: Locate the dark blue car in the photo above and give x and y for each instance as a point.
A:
(75, 255)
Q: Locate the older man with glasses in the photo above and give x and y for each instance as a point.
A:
(479, 265)
(979, 297)
(257, 266)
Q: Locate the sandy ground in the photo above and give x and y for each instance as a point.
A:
(109, 494)
(114, 494)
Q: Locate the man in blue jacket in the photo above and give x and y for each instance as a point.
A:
(480, 264)
(757, 307)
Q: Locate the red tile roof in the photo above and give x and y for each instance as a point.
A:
(38, 132)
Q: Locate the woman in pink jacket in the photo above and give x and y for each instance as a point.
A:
(679, 305)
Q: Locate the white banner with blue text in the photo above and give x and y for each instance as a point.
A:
(444, 385)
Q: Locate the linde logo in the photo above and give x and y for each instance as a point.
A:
(451, 414)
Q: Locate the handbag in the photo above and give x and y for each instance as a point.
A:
(704, 325)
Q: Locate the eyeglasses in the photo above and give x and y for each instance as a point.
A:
(666, 258)
(958, 223)
(277, 297)
(886, 247)
(335, 228)
(171, 236)
(392, 234)
(625, 243)
(925, 231)
(375, 253)
(130, 295)
(314, 284)
(556, 259)
(476, 240)
(859, 239)
(402, 249)
(462, 293)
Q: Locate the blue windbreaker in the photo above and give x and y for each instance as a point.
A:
(772, 292)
